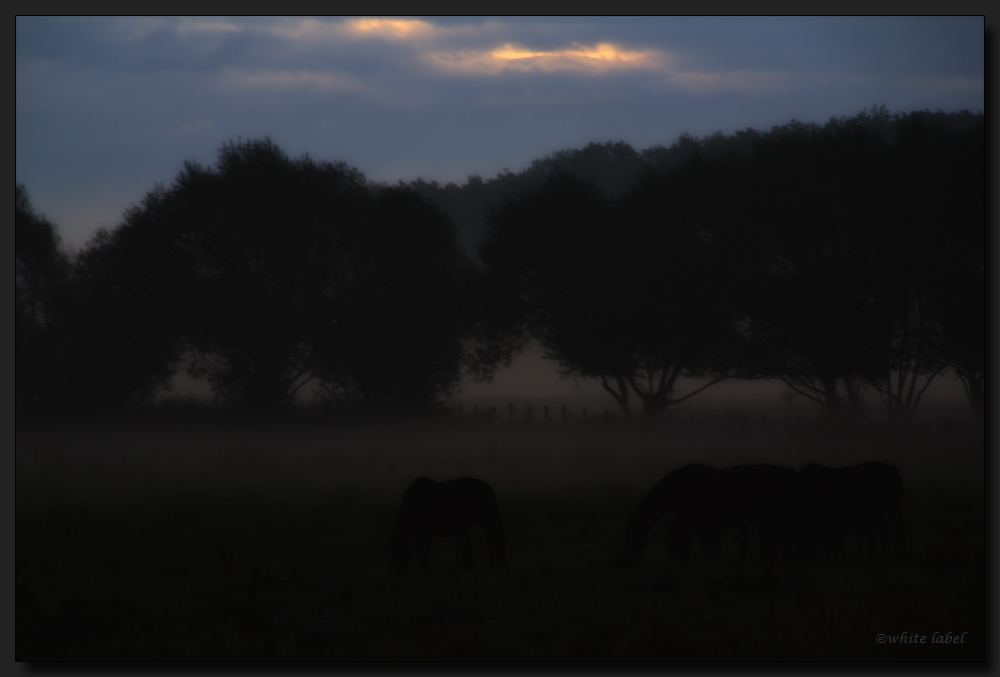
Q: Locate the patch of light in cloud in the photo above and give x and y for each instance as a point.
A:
(598, 58)
(394, 29)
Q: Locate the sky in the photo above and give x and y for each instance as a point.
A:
(107, 107)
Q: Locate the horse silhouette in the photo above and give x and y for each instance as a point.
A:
(833, 503)
(761, 494)
(431, 509)
(704, 501)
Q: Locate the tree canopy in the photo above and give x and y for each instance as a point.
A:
(41, 276)
(846, 259)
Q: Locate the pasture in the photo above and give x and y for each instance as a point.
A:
(270, 542)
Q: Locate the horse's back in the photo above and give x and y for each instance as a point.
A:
(445, 507)
(759, 490)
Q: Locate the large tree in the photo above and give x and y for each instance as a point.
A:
(808, 200)
(623, 291)
(267, 274)
(130, 286)
(942, 157)
(396, 336)
(854, 240)
(41, 273)
(262, 232)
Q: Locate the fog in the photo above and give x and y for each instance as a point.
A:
(144, 461)
(533, 380)
(221, 541)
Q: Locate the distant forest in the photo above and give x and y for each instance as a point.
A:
(845, 259)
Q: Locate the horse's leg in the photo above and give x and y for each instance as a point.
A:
(769, 539)
(679, 542)
(709, 537)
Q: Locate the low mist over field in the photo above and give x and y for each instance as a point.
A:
(220, 541)
(142, 461)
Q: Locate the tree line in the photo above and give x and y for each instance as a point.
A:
(845, 259)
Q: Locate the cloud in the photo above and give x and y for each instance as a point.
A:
(306, 30)
(328, 81)
(136, 29)
(599, 58)
(208, 26)
(971, 84)
(747, 81)
(392, 29)
(540, 96)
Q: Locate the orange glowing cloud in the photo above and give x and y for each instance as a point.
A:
(599, 58)
(393, 29)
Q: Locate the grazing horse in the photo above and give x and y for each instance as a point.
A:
(761, 494)
(705, 500)
(831, 503)
(430, 509)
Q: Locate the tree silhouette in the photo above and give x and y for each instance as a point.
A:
(803, 251)
(853, 241)
(130, 286)
(610, 166)
(261, 232)
(41, 274)
(942, 158)
(266, 274)
(621, 291)
(841, 258)
(396, 337)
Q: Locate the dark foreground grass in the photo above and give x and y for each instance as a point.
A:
(182, 570)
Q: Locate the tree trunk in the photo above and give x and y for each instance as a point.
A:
(831, 402)
(620, 395)
(855, 403)
(654, 405)
(975, 390)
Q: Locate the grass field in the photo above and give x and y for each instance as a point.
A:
(216, 542)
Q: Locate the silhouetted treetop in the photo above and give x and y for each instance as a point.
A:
(264, 274)
(41, 276)
(809, 253)
(846, 259)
